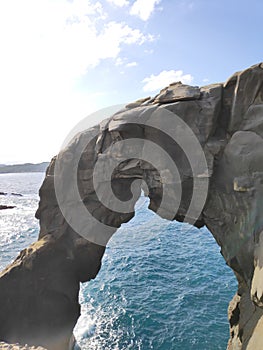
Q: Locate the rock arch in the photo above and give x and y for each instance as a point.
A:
(39, 290)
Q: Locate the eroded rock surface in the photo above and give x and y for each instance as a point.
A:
(39, 290)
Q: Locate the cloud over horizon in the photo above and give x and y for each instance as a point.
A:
(164, 78)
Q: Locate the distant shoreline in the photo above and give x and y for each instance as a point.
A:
(24, 168)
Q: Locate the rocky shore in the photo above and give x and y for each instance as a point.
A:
(39, 290)
(2, 207)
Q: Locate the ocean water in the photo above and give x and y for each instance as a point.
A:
(162, 285)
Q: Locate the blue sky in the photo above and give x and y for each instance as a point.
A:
(62, 60)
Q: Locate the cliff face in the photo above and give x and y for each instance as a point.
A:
(197, 153)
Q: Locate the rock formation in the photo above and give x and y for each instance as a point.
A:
(39, 290)
(2, 207)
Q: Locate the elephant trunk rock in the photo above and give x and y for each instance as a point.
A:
(217, 181)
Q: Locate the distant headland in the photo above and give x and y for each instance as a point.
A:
(24, 168)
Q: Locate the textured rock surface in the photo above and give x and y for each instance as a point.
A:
(178, 92)
(39, 291)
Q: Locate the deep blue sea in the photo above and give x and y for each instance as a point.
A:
(162, 285)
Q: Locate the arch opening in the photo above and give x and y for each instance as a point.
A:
(160, 286)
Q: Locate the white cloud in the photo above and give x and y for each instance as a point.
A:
(131, 64)
(58, 40)
(122, 62)
(144, 8)
(120, 3)
(206, 80)
(163, 79)
(46, 46)
(119, 61)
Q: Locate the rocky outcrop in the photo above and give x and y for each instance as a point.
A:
(12, 194)
(197, 153)
(2, 207)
